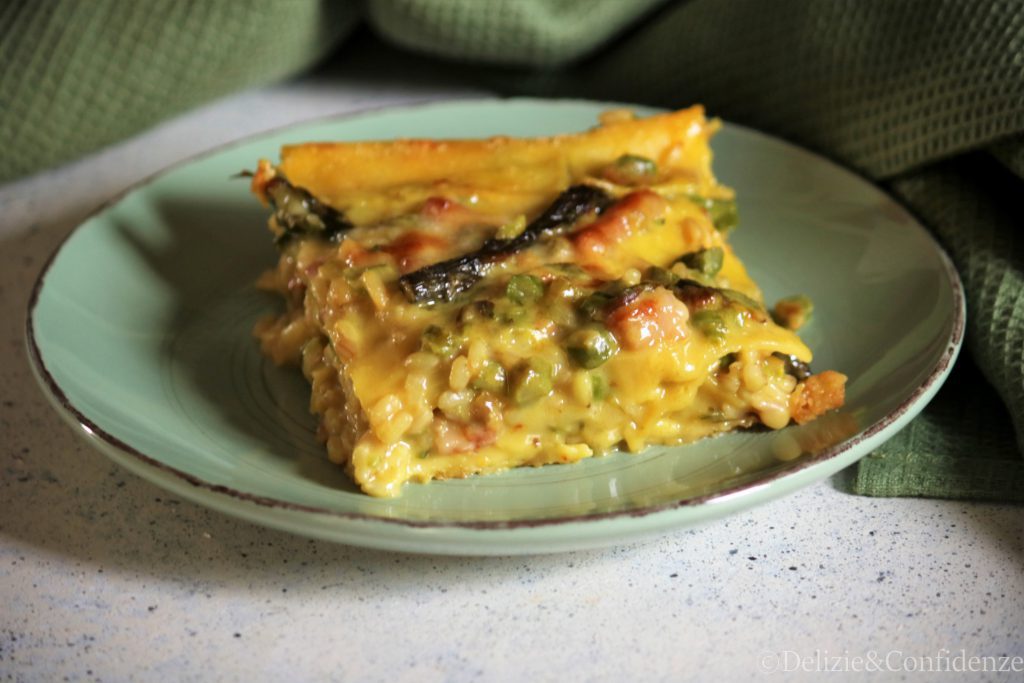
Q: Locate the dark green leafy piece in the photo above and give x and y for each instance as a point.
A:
(445, 281)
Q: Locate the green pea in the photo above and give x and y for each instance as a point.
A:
(490, 378)
(706, 261)
(591, 347)
(531, 381)
(440, 342)
(710, 323)
(524, 289)
(630, 169)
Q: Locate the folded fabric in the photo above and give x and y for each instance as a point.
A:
(78, 75)
(925, 97)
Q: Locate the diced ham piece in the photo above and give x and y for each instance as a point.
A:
(651, 319)
(596, 242)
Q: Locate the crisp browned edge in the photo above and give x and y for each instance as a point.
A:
(940, 369)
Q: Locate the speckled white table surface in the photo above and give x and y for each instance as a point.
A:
(106, 577)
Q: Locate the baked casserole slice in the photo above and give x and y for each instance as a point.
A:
(469, 306)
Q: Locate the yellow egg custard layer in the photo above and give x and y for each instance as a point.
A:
(468, 306)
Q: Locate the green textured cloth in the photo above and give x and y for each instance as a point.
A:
(76, 75)
(924, 97)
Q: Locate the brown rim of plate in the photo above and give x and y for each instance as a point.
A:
(941, 368)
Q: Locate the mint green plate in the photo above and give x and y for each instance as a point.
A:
(139, 331)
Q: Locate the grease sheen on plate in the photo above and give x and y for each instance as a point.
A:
(140, 332)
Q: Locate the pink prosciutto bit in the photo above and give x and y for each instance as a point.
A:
(651, 319)
(596, 242)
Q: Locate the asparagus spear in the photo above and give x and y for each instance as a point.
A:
(300, 213)
(445, 281)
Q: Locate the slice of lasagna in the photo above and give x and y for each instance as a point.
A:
(468, 306)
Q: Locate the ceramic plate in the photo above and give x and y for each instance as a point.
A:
(139, 329)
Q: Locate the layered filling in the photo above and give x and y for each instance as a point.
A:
(458, 339)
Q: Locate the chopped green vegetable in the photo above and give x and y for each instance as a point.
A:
(793, 312)
(630, 169)
(590, 348)
(710, 323)
(706, 261)
(524, 289)
(660, 276)
(443, 343)
(531, 381)
(742, 299)
(599, 386)
(722, 212)
(490, 378)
